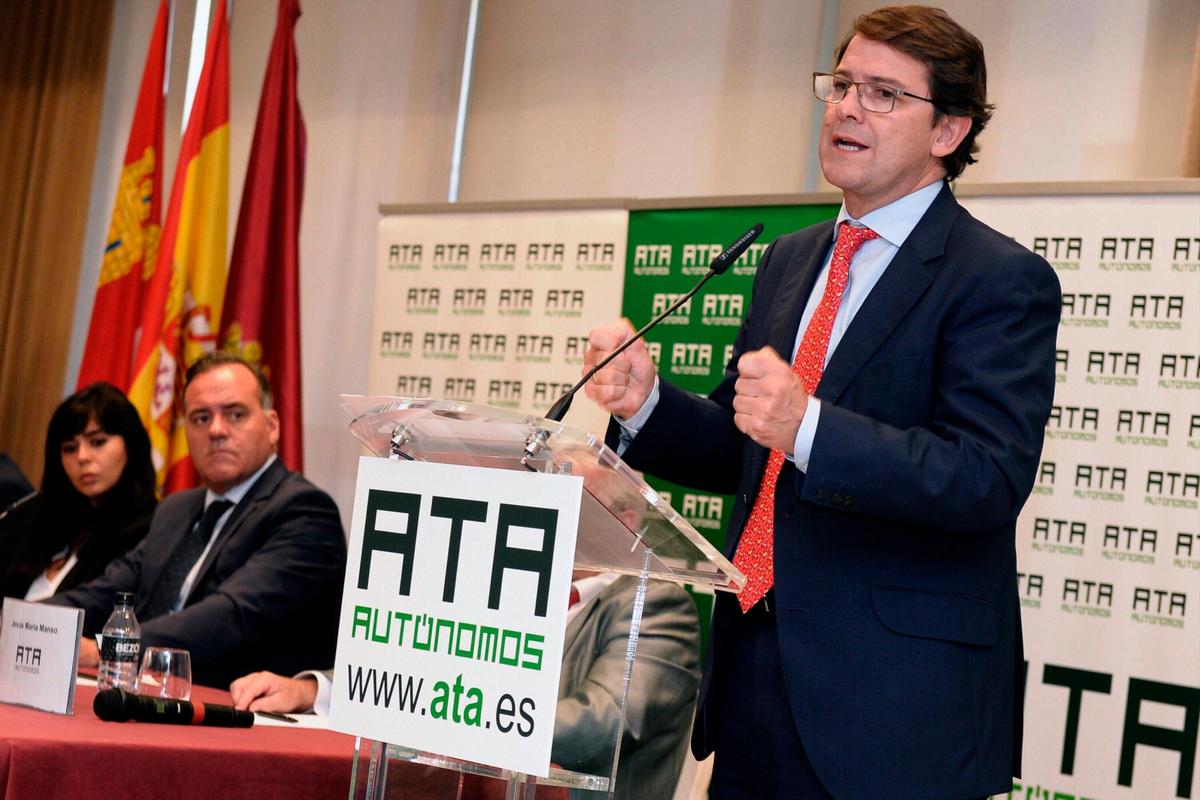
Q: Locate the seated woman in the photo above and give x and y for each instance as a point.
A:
(95, 502)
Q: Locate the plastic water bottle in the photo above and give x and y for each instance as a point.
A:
(120, 645)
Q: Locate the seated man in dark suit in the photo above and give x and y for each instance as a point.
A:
(246, 572)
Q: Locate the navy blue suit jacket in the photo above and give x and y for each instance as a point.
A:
(895, 568)
(267, 595)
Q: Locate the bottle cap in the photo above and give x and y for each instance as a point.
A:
(125, 598)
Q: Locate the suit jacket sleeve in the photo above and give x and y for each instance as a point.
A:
(971, 465)
(665, 676)
(97, 597)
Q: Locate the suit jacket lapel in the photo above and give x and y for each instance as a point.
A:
(903, 282)
(257, 495)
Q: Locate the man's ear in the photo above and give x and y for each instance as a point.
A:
(272, 426)
(949, 131)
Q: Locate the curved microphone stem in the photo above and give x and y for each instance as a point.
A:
(719, 264)
(560, 408)
(16, 504)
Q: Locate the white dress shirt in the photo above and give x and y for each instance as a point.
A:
(588, 588)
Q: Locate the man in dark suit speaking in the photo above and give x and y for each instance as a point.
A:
(879, 469)
(246, 573)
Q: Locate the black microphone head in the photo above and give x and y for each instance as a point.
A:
(114, 705)
(560, 407)
(732, 253)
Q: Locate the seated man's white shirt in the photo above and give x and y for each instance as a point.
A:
(324, 690)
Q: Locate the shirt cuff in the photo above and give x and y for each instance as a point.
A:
(324, 690)
(630, 427)
(802, 448)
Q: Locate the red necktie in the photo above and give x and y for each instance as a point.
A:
(574, 597)
(755, 552)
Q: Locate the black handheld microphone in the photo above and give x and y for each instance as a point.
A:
(716, 267)
(118, 705)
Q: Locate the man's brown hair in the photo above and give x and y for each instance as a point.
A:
(954, 57)
(222, 358)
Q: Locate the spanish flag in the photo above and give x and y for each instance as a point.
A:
(133, 233)
(182, 312)
(261, 321)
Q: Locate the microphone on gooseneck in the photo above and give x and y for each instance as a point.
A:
(17, 504)
(716, 267)
(118, 705)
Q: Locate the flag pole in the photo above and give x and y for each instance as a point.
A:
(464, 93)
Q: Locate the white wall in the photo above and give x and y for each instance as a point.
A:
(615, 99)
(636, 98)
(1084, 89)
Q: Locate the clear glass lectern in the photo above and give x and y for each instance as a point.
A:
(624, 527)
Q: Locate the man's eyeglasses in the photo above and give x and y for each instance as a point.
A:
(876, 97)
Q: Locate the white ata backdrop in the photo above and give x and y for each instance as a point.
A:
(1108, 546)
(494, 307)
(1109, 543)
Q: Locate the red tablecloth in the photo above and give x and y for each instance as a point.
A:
(46, 756)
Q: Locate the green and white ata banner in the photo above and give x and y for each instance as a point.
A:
(1109, 543)
(1108, 546)
(667, 252)
(453, 610)
(494, 308)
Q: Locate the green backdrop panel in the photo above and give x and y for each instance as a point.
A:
(667, 253)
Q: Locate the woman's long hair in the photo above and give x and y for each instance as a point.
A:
(63, 512)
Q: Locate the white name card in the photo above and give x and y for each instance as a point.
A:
(39, 650)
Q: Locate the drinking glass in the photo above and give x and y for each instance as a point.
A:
(166, 673)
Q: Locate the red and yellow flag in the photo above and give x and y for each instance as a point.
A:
(182, 311)
(133, 233)
(261, 320)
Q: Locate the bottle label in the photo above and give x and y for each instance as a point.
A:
(119, 648)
